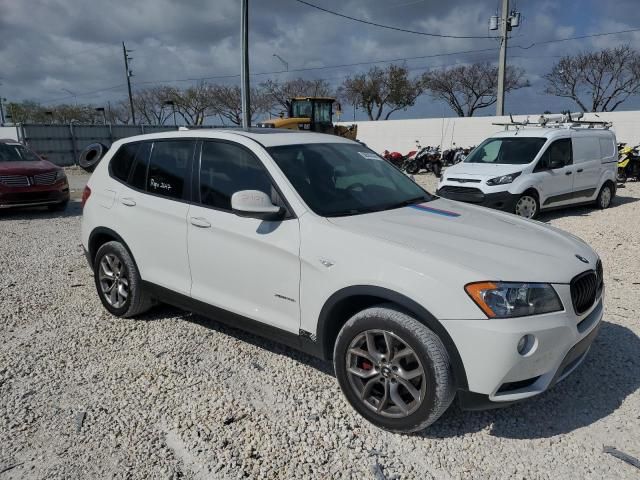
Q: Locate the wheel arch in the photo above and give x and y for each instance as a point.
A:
(101, 235)
(344, 303)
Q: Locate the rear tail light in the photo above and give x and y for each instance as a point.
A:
(85, 195)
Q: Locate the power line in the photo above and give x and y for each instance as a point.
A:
(603, 34)
(325, 67)
(389, 27)
(114, 87)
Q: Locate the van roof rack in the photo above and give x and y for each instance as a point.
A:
(562, 120)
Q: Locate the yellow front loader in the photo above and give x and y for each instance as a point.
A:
(314, 114)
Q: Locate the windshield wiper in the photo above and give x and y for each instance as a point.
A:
(410, 201)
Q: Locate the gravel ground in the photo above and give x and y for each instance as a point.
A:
(173, 395)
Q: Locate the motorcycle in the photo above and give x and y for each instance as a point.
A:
(427, 158)
(398, 159)
(628, 163)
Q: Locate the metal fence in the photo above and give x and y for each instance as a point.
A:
(62, 144)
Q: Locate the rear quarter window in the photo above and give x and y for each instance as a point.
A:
(586, 148)
(607, 148)
(123, 160)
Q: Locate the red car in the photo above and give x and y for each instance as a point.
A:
(27, 180)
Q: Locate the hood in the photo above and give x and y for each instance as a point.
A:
(480, 170)
(27, 168)
(490, 245)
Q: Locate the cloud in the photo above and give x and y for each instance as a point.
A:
(51, 45)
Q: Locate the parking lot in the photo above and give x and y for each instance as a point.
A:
(172, 395)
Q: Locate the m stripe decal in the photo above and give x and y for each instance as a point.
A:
(437, 211)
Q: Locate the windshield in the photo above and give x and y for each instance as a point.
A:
(13, 152)
(509, 150)
(338, 179)
(301, 109)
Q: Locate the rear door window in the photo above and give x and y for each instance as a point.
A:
(170, 168)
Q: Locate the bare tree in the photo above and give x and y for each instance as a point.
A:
(596, 81)
(228, 106)
(149, 104)
(194, 104)
(32, 112)
(379, 89)
(282, 93)
(468, 88)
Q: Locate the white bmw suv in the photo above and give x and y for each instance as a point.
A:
(317, 242)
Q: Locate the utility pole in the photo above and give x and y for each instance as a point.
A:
(505, 23)
(244, 71)
(129, 74)
(2, 108)
(502, 64)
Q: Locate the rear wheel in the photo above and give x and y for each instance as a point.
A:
(118, 281)
(393, 370)
(527, 205)
(603, 200)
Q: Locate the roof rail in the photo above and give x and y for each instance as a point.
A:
(564, 120)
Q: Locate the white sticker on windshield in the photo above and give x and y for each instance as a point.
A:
(370, 155)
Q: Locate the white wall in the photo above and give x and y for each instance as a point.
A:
(9, 132)
(400, 135)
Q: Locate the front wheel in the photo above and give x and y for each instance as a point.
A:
(393, 370)
(411, 167)
(527, 206)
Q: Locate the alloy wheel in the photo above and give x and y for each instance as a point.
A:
(113, 279)
(386, 373)
(526, 206)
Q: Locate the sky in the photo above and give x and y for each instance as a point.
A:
(49, 48)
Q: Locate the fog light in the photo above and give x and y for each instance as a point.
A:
(526, 345)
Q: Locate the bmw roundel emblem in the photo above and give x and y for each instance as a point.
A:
(581, 258)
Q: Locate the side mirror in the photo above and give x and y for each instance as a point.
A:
(255, 204)
(556, 163)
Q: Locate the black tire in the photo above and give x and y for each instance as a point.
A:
(531, 199)
(137, 300)
(438, 390)
(605, 196)
(621, 176)
(437, 169)
(91, 156)
(411, 167)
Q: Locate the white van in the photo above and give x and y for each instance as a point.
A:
(534, 168)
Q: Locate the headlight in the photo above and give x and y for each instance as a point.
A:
(60, 175)
(504, 179)
(507, 300)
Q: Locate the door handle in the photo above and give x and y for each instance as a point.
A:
(568, 173)
(579, 170)
(199, 222)
(129, 202)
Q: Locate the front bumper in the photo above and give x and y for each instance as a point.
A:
(498, 375)
(504, 201)
(34, 196)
